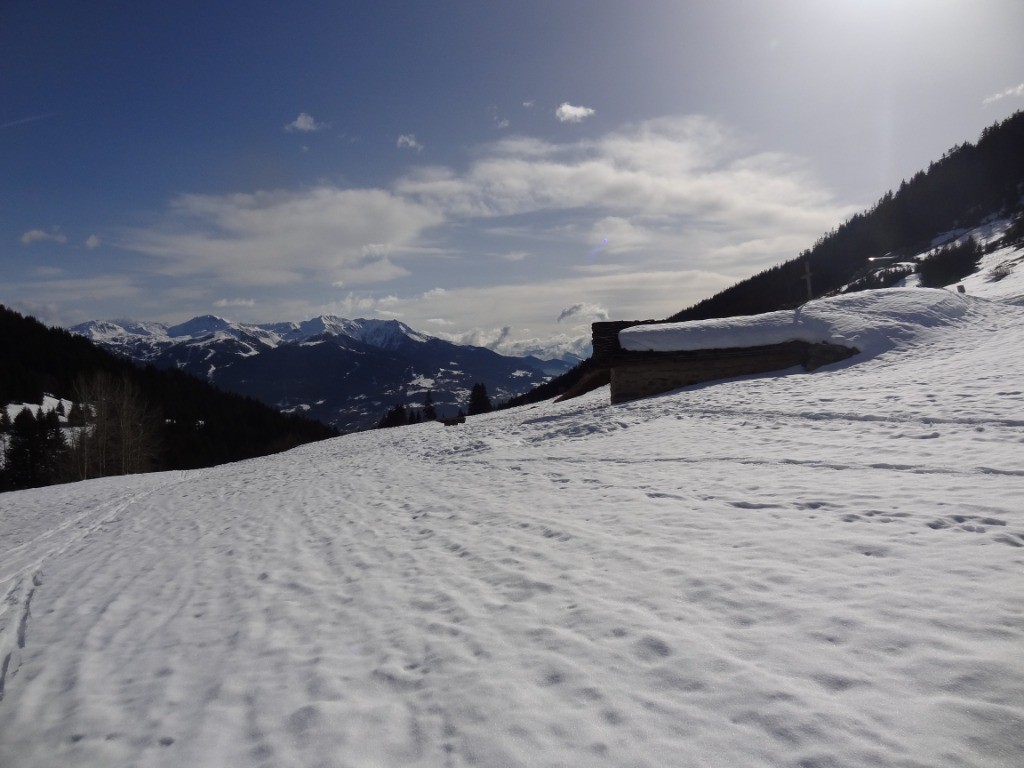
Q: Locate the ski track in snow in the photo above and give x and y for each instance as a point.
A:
(789, 570)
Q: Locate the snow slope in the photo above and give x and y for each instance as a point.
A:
(794, 569)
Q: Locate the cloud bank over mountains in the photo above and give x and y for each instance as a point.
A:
(645, 218)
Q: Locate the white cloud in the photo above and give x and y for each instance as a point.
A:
(1016, 92)
(528, 309)
(505, 342)
(615, 234)
(514, 255)
(355, 305)
(67, 291)
(34, 235)
(652, 179)
(38, 235)
(567, 113)
(370, 271)
(226, 303)
(92, 242)
(499, 122)
(408, 141)
(48, 272)
(639, 222)
(530, 104)
(305, 123)
(26, 120)
(583, 312)
(489, 338)
(325, 234)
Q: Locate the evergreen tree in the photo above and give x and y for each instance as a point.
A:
(76, 418)
(479, 401)
(949, 264)
(429, 411)
(23, 456)
(1015, 234)
(395, 417)
(35, 453)
(54, 449)
(5, 421)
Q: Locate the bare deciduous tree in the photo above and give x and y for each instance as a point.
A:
(119, 436)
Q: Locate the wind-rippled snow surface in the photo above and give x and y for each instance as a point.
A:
(804, 570)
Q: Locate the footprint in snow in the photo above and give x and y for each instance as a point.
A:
(1013, 539)
(659, 495)
(303, 720)
(650, 648)
(876, 515)
(970, 523)
(753, 505)
(552, 534)
(977, 524)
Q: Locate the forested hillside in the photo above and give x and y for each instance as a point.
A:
(970, 182)
(164, 419)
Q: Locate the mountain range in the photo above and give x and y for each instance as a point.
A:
(345, 373)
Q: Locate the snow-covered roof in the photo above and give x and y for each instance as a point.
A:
(870, 321)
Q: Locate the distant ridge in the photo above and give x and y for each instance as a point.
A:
(345, 373)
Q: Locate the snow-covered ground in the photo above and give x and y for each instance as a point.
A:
(49, 403)
(794, 569)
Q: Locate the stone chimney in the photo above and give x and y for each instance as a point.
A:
(605, 338)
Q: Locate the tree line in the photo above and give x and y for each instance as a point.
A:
(969, 182)
(109, 430)
(401, 415)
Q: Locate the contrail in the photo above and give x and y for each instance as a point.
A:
(27, 120)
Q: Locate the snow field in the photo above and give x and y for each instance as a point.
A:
(801, 570)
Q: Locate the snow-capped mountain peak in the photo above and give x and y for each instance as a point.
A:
(340, 371)
(113, 329)
(385, 334)
(199, 326)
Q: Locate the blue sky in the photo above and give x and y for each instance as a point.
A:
(500, 173)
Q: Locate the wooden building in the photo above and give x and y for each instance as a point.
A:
(641, 374)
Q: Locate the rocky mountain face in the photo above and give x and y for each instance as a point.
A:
(345, 373)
